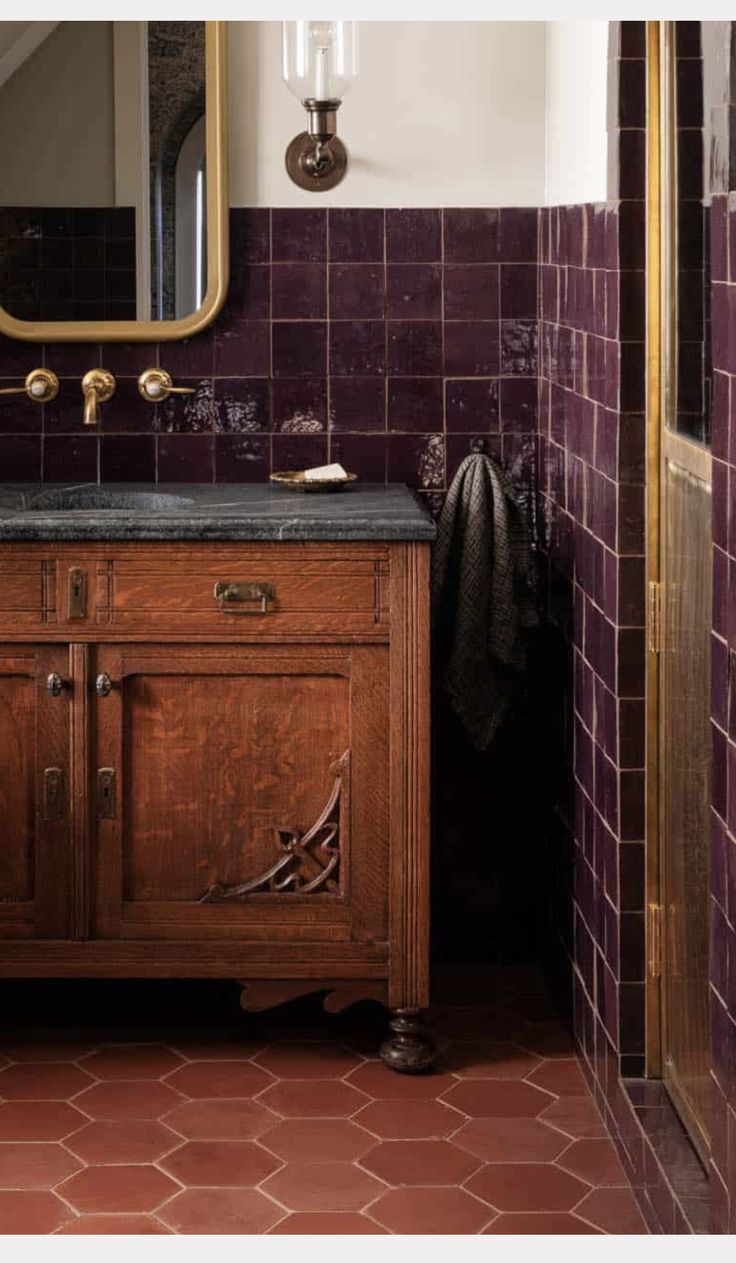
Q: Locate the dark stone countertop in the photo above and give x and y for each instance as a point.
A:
(201, 511)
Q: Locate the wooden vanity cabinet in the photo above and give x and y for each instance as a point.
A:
(200, 780)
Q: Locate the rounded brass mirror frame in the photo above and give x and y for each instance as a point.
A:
(217, 236)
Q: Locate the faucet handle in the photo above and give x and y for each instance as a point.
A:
(41, 385)
(155, 385)
(98, 385)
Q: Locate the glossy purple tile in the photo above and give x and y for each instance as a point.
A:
(248, 293)
(413, 236)
(415, 404)
(472, 405)
(298, 451)
(193, 357)
(185, 458)
(518, 403)
(413, 291)
(471, 291)
(298, 291)
(471, 236)
(417, 460)
(414, 348)
(518, 348)
(188, 414)
(70, 458)
(357, 291)
(298, 235)
(357, 347)
(299, 405)
(242, 349)
(357, 404)
(299, 348)
(518, 234)
(519, 291)
(250, 236)
(356, 235)
(128, 458)
(471, 348)
(242, 405)
(361, 452)
(241, 458)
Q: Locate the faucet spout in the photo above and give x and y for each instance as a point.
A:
(98, 385)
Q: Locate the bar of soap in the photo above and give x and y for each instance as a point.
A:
(324, 473)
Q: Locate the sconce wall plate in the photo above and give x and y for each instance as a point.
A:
(300, 154)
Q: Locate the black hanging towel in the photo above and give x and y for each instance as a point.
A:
(483, 596)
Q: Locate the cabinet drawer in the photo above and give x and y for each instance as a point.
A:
(251, 595)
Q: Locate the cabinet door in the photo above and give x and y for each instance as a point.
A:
(35, 842)
(242, 793)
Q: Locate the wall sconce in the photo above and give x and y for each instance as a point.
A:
(320, 62)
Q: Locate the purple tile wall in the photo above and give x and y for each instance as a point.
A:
(723, 714)
(382, 339)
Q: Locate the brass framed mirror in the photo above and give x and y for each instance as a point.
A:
(113, 180)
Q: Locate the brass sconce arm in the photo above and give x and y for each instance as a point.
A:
(98, 385)
(155, 385)
(41, 386)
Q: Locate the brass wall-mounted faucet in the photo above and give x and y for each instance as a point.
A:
(98, 385)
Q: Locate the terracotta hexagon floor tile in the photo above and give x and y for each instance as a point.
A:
(220, 1162)
(47, 1082)
(220, 1210)
(122, 1099)
(219, 1078)
(378, 1081)
(132, 1061)
(335, 1222)
(31, 1212)
(34, 1165)
(495, 1098)
(420, 1210)
(227, 1047)
(543, 1224)
(124, 1188)
(488, 1059)
(510, 1140)
(526, 1186)
(322, 1186)
(613, 1210)
(595, 1161)
(576, 1116)
(409, 1120)
(318, 1140)
(303, 1060)
(420, 1162)
(38, 1120)
(129, 1140)
(221, 1119)
(112, 1225)
(563, 1077)
(309, 1098)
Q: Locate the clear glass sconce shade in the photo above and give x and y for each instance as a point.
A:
(320, 59)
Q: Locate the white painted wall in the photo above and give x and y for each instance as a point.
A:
(441, 114)
(576, 144)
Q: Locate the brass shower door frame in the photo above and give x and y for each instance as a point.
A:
(675, 463)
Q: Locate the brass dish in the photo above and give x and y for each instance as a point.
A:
(297, 481)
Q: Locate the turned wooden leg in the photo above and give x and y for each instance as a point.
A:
(410, 1048)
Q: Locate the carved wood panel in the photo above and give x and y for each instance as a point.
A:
(239, 775)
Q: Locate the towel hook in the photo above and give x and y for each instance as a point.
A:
(478, 445)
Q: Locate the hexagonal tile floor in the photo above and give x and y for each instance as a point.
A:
(290, 1124)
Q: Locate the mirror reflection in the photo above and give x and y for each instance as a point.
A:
(103, 158)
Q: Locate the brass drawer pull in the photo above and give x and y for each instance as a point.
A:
(230, 595)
